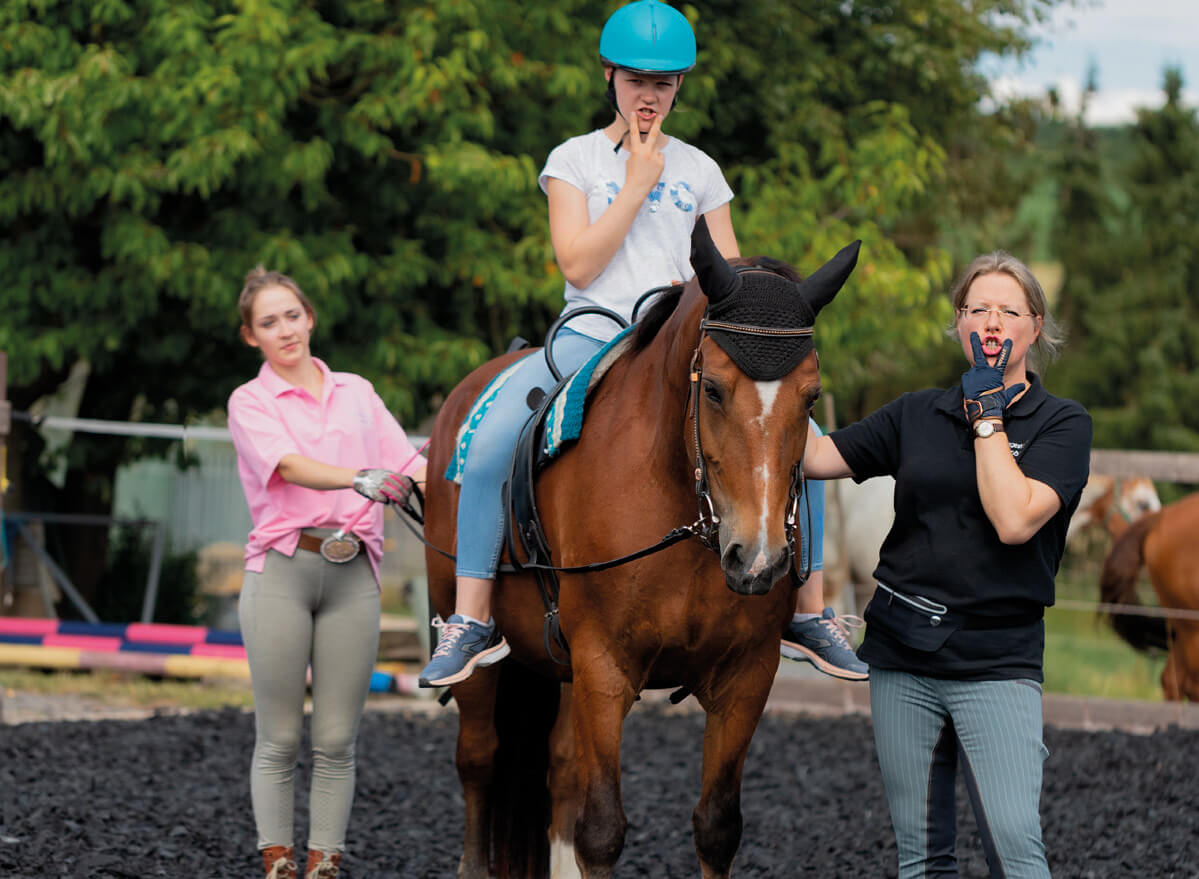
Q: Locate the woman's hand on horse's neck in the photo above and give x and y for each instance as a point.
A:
(822, 460)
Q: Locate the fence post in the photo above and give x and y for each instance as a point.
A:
(150, 599)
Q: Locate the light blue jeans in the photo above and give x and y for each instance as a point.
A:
(811, 517)
(480, 505)
(923, 729)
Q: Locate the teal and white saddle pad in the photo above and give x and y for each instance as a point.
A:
(563, 421)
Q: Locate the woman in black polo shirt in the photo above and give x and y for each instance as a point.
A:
(987, 475)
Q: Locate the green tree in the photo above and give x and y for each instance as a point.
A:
(1129, 240)
(837, 121)
(385, 155)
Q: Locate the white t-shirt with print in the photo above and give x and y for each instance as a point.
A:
(657, 248)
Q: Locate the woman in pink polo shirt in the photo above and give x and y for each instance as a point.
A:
(305, 436)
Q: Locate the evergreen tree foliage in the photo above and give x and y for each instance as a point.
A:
(1129, 241)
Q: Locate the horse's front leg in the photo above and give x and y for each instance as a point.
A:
(734, 708)
(564, 792)
(477, 744)
(601, 699)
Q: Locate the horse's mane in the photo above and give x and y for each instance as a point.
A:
(668, 301)
(656, 316)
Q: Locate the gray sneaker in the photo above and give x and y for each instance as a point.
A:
(824, 642)
(462, 648)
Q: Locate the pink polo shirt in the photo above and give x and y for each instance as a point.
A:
(350, 427)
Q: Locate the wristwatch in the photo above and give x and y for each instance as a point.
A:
(984, 428)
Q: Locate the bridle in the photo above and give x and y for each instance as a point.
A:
(707, 526)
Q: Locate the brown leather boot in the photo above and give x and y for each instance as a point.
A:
(322, 865)
(279, 861)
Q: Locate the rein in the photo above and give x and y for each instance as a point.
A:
(670, 539)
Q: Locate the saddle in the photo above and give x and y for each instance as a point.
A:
(556, 420)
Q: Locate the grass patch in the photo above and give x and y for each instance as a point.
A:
(1083, 656)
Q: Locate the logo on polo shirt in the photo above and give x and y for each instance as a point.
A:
(1016, 448)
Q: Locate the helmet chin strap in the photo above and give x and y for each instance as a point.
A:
(610, 94)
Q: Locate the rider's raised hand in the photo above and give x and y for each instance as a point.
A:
(645, 163)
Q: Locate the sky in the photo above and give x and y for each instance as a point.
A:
(1129, 42)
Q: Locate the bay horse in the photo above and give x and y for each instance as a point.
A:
(538, 752)
(1167, 544)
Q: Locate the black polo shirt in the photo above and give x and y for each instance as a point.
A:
(943, 547)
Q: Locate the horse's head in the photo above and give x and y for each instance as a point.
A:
(1139, 498)
(755, 379)
(1113, 504)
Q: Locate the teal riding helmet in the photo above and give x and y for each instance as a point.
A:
(648, 36)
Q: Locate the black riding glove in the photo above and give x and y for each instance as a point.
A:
(983, 393)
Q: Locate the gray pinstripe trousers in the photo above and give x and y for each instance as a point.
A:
(923, 729)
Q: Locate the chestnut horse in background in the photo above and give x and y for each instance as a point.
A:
(539, 742)
(1113, 503)
(1167, 544)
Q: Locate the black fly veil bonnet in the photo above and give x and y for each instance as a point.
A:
(762, 320)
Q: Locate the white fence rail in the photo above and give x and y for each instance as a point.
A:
(1159, 466)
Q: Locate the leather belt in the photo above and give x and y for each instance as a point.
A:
(312, 543)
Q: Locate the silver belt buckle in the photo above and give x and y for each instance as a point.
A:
(340, 548)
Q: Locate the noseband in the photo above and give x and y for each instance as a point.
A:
(708, 524)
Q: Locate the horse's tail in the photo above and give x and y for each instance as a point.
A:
(525, 709)
(1118, 585)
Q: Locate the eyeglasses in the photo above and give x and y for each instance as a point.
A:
(978, 312)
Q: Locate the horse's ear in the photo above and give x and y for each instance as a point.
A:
(716, 277)
(822, 285)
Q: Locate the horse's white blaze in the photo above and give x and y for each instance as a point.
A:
(767, 395)
(562, 860)
(761, 560)
(767, 392)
